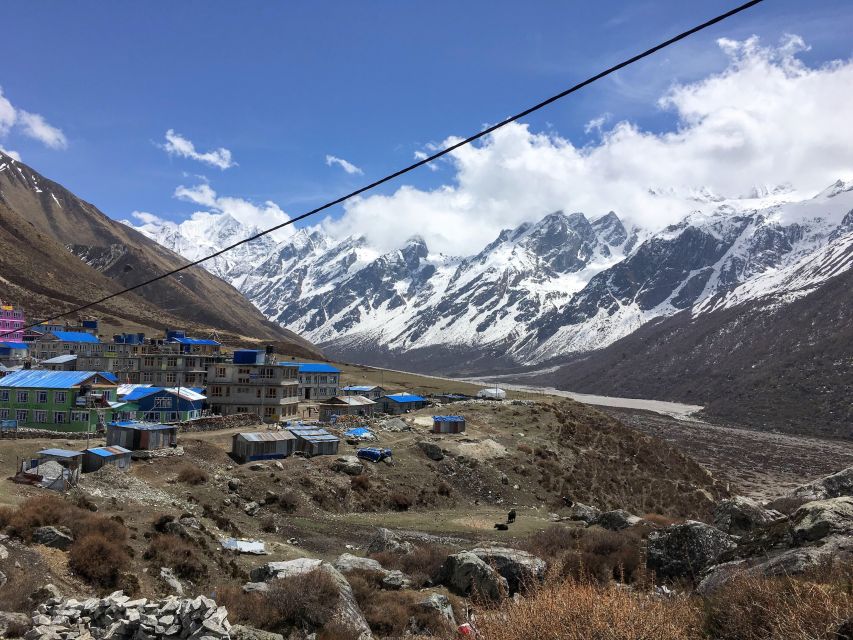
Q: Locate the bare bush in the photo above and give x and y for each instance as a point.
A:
(98, 560)
(192, 474)
(171, 551)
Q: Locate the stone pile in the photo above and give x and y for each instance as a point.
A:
(118, 617)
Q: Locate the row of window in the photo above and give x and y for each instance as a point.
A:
(165, 416)
(269, 393)
(40, 416)
(23, 397)
(269, 412)
(318, 379)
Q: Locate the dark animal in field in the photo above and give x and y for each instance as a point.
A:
(568, 501)
(500, 526)
(510, 517)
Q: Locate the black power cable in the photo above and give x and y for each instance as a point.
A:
(419, 163)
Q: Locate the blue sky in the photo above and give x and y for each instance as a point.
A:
(283, 85)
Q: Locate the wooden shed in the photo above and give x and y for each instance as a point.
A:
(262, 445)
(448, 424)
(98, 457)
(313, 441)
(141, 435)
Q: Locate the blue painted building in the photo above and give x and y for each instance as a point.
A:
(402, 402)
(163, 404)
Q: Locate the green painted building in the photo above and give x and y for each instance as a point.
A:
(58, 400)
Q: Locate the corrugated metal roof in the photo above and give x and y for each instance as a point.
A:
(124, 389)
(60, 453)
(195, 341)
(108, 452)
(15, 345)
(267, 436)
(60, 359)
(41, 379)
(327, 437)
(311, 367)
(75, 336)
(186, 393)
(360, 387)
(353, 401)
(448, 419)
(405, 397)
(109, 375)
(141, 426)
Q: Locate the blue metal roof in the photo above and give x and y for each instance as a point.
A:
(109, 375)
(75, 336)
(108, 452)
(60, 453)
(15, 345)
(310, 367)
(195, 341)
(41, 379)
(405, 397)
(448, 419)
(141, 426)
(141, 392)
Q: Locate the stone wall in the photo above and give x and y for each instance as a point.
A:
(27, 434)
(220, 423)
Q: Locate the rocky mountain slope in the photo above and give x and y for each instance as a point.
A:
(59, 251)
(540, 293)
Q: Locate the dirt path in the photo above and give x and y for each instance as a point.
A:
(758, 463)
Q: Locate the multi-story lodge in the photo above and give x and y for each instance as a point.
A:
(58, 400)
(11, 324)
(253, 383)
(317, 381)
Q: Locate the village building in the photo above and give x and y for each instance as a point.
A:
(98, 457)
(398, 403)
(162, 404)
(345, 406)
(448, 424)
(253, 384)
(315, 441)
(13, 353)
(55, 469)
(141, 436)
(371, 392)
(491, 393)
(262, 445)
(58, 343)
(61, 363)
(58, 400)
(11, 323)
(317, 381)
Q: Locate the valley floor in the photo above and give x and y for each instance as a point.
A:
(760, 464)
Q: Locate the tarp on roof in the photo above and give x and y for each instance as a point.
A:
(353, 401)
(406, 397)
(267, 436)
(124, 389)
(41, 379)
(109, 375)
(448, 419)
(184, 393)
(203, 341)
(59, 453)
(362, 433)
(141, 426)
(311, 367)
(75, 336)
(108, 452)
(60, 359)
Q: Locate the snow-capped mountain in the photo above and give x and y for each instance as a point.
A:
(566, 284)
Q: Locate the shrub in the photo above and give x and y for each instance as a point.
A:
(268, 525)
(525, 448)
(51, 510)
(444, 489)
(191, 474)
(361, 482)
(98, 560)
(399, 501)
(179, 554)
(289, 501)
(420, 565)
(597, 554)
(661, 520)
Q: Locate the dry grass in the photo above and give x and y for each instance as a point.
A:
(360, 482)
(420, 565)
(98, 560)
(51, 510)
(399, 501)
(751, 608)
(574, 610)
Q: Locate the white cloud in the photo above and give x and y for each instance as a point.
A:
(29, 124)
(422, 155)
(347, 166)
(596, 124)
(177, 145)
(12, 154)
(767, 118)
(261, 216)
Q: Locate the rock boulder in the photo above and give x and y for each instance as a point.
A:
(467, 575)
(685, 550)
(349, 465)
(616, 520)
(739, 515)
(56, 537)
(519, 568)
(387, 540)
(821, 518)
(583, 513)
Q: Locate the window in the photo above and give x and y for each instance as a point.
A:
(220, 372)
(163, 402)
(79, 416)
(271, 392)
(4, 414)
(40, 415)
(147, 376)
(258, 392)
(269, 412)
(41, 397)
(173, 416)
(23, 396)
(244, 371)
(189, 362)
(171, 361)
(58, 417)
(60, 397)
(148, 361)
(242, 410)
(216, 391)
(21, 415)
(4, 395)
(171, 377)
